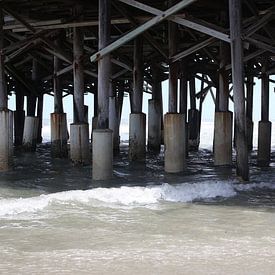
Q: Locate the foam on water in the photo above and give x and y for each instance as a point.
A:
(129, 196)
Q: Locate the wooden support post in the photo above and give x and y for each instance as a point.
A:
(192, 90)
(58, 102)
(40, 117)
(223, 93)
(78, 72)
(137, 95)
(19, 116)
(184, 98)
(155, 112)
(102, 136)
(173, 68)
(193, 118)
(137, 131)
(249, 110)
(120, 100)
(223, 118)
(3, 88)
(264, 136)
(104, 64)
(183, 89)
(238, 86)
(31, 99)
(265, 97)
(6, 123)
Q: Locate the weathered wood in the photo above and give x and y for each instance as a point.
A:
(32, 98)
(182, 21)
(104, 64)
(173, 68)
(139, 30)
(192, 90)
(249, 110)
(249, 97)
(137, 95)
(265, 97)
(19, 115)
(238, 84)
(223, 78)
(183, 89)
(78, 74)
(58, 103)
(3, 89)
(40, 103)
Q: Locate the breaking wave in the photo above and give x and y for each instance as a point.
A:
(129, 196)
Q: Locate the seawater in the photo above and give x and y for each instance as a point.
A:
(55, 220)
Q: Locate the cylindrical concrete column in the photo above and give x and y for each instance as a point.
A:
(174, 143)
(223, 138)
(264, 143)
(59, 135)
(137, 137)
(114, 123)
(4, 140)
(30, 133)
(193, 131)
(154, 125)
(94, 125)
(102, 154)
(79, 143)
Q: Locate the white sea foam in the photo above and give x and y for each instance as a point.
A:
(126, 196)
(129, 196)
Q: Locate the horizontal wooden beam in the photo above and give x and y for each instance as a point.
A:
(181, 21)
(139, 30)
(193, 49)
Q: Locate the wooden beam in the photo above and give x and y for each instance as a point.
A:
(181, 21)
(141, 29)
(146, 34)
(193, 49)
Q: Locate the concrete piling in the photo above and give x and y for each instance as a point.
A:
(6, 144)
(102, 154)
(223, 139)
(154, 125)
(137, 137)
(79, 143)
(59, 135)
(174, 143)
(30, 133)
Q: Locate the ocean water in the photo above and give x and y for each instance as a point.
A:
(55, 220)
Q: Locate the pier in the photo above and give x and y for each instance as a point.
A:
(118, 50)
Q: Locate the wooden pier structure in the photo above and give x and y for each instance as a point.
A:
(125, 48)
